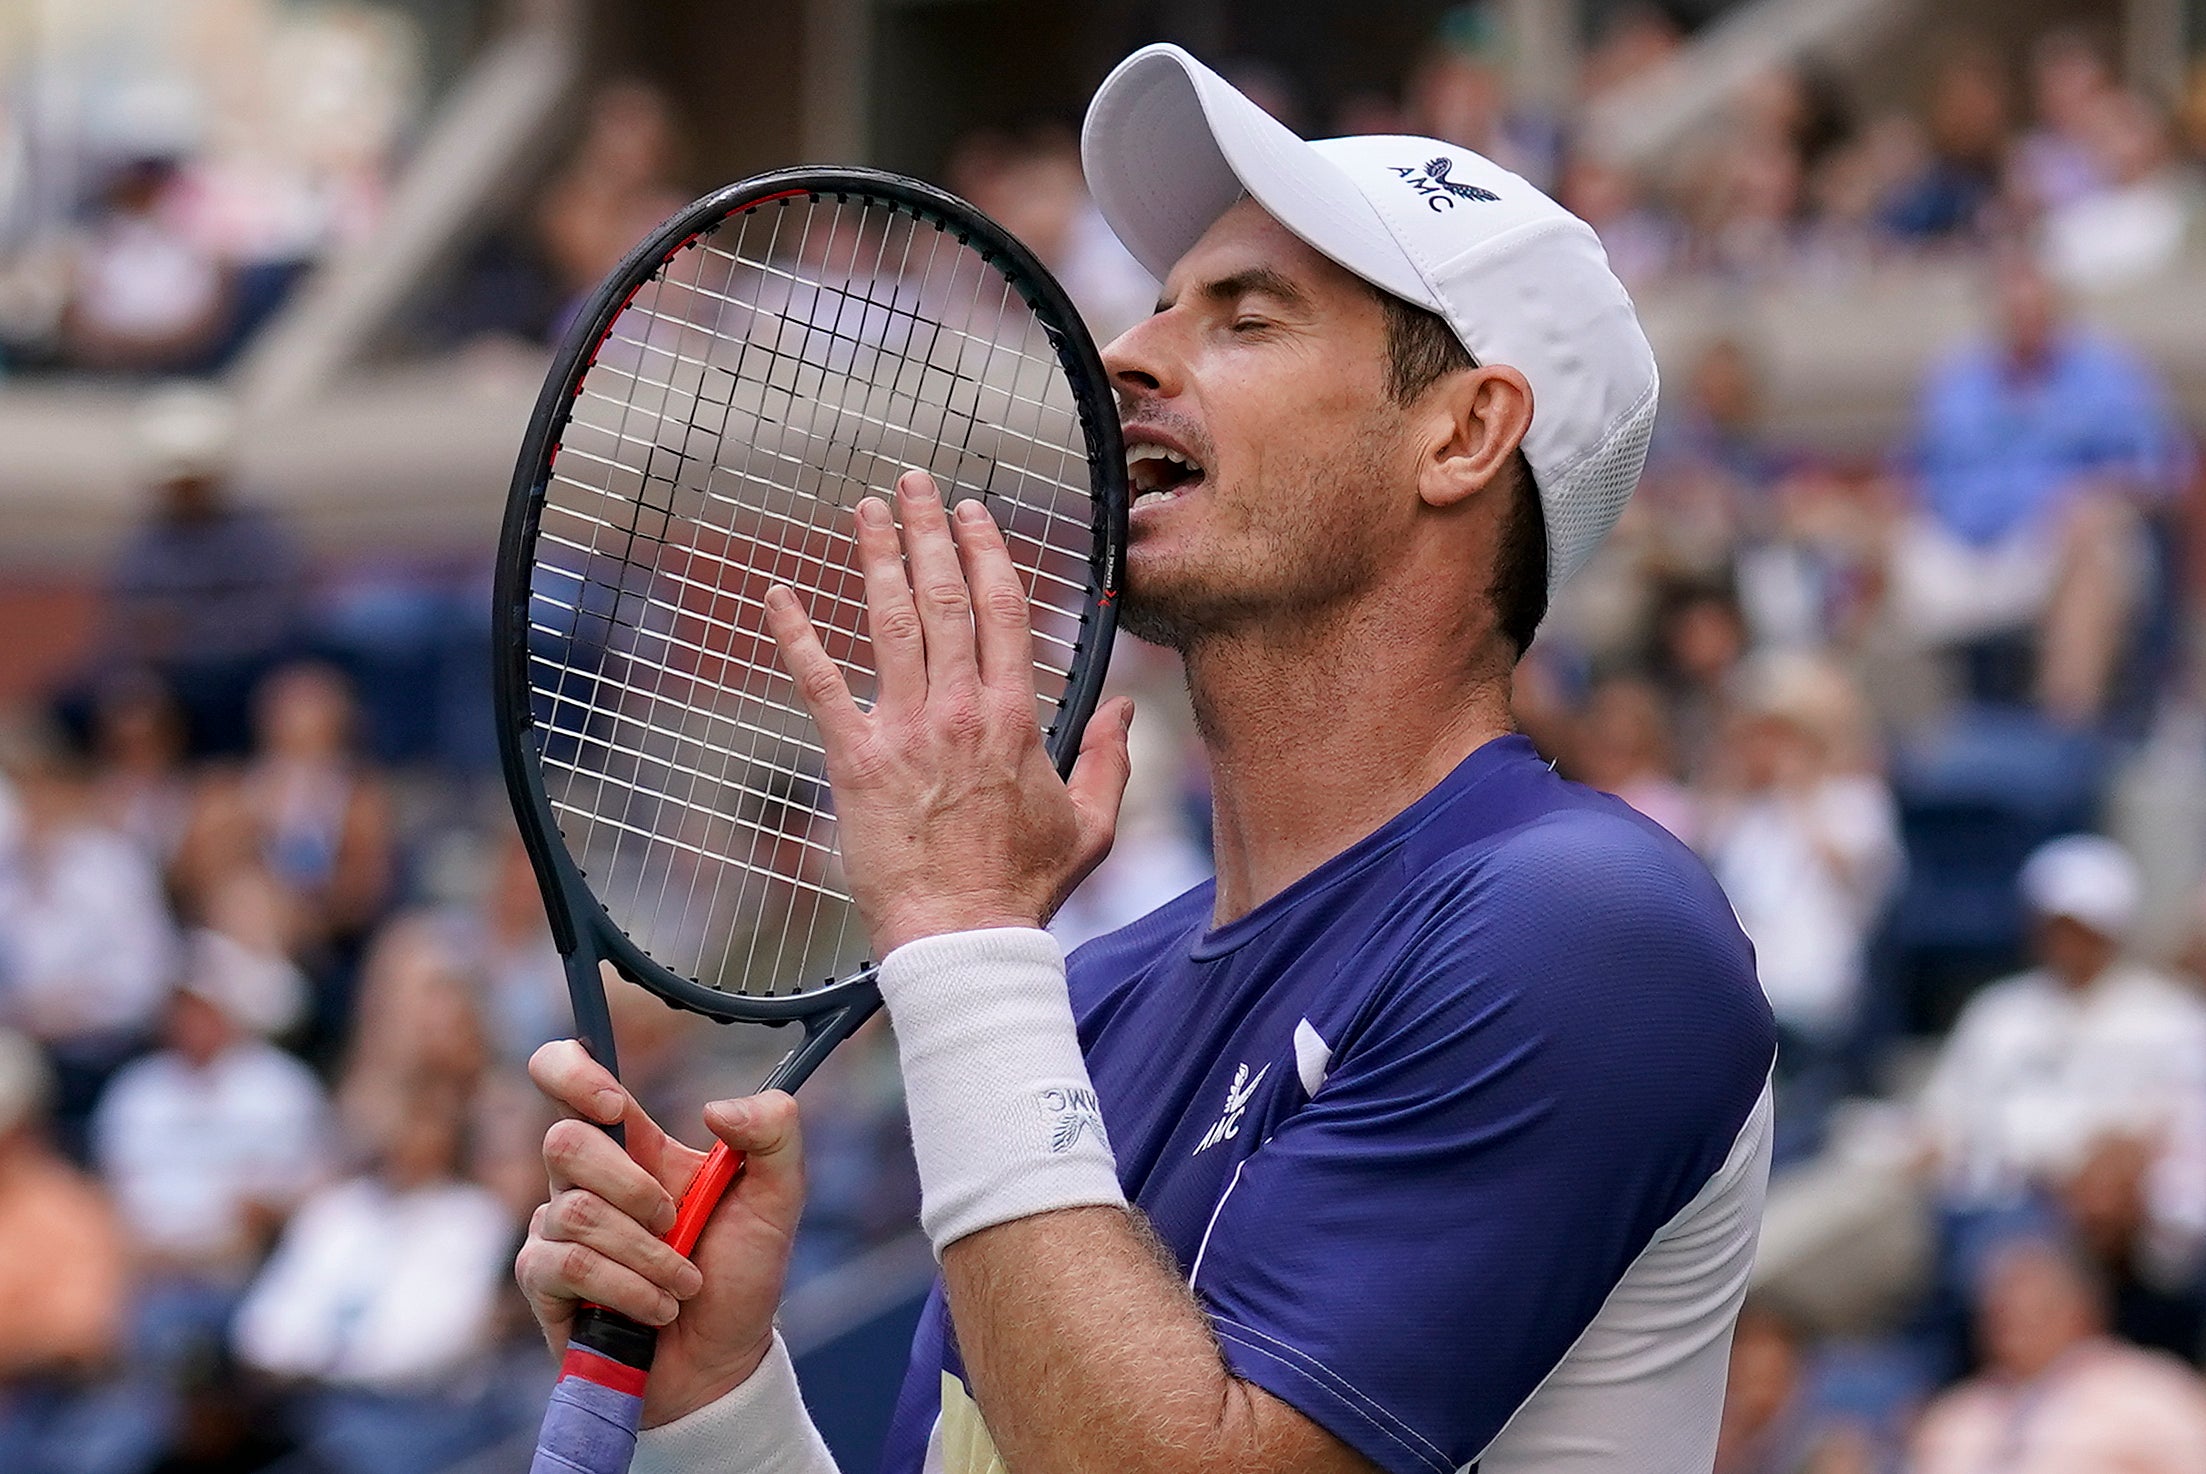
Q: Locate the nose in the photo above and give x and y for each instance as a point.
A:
(1141, 362)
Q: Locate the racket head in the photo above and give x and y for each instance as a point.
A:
(629, 582)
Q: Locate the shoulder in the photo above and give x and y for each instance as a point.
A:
(1586, 878)
(1596, 949)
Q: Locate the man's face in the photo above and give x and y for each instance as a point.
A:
(1270, 468)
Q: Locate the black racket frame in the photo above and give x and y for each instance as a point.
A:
(584, 932)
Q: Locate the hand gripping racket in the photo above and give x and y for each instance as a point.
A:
(772, 354)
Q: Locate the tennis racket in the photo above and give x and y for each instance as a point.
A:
(772, 354)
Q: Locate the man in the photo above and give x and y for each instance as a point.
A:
(2087, 1053)
(1443, 1111)
(2034, 453)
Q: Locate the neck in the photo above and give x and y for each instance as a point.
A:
(1319, 736)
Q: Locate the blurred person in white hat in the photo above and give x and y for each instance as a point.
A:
(1434, 1131)
(211, 1141)
(2089, 1057)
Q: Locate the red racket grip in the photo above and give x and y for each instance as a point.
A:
(722, 1166)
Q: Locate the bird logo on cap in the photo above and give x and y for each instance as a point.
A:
(1439, 190)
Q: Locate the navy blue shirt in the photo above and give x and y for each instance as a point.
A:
(1407, 1124)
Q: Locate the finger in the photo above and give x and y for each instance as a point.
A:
(1099, 774)
(765, 1129)
(585, 1090)
(576, 1083)
(892, 620)
(820, 684)
(1002, 625)
(578, 1217)
(937, 583)
(556, 1275)
(579, 1155)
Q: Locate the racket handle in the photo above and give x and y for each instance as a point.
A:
(597, 1405)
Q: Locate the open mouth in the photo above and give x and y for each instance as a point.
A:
(1156, 474)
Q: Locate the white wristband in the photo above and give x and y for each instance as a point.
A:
(760, 1427)
(1004, 1118)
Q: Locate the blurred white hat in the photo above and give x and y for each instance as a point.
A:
(258, 992)
(186, 430)
(25, 1080)
(1169, 146)
(2085, 878)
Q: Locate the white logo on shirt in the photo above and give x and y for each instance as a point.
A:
(1238, 1095)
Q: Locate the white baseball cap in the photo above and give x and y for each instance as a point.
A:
(1169, 146)
(2085, 878)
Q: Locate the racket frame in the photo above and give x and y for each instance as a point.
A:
(582, 929)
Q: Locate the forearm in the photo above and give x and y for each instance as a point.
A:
(1087, 1352)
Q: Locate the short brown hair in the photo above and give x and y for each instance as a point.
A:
(1421, 350)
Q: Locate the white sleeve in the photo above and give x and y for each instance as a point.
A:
(759, 1428)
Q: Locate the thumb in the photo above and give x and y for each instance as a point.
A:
(1099, 776)
(765, 1129)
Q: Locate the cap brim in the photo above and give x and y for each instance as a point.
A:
(1169, 146)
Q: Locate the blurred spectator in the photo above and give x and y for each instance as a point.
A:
(2058, 1395)
(1698, 639)
(205, 591)
(1459, 93)
(1770, 1425)
(418, 1027)
(2136, 223)
(616, 188)
(63, 1276)
(86, 943)
(308, 809)
(503, 942)
(1643, 242)
(145, 297)
(1956, 190)
(1804, 836)
(2032, 452)
(382, 1298)
(207, 1145)
(141, 787)
(2044, 1068)
(1622, 746)
(2055, 161)
(1031, 184)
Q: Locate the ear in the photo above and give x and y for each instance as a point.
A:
(1477, 418)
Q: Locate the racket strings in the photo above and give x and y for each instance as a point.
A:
(772, 372)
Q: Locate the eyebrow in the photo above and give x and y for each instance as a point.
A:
(1256, 280)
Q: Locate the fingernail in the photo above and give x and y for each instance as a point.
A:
(734, 1114)
(913, 485)
(971, 512)
(663, 1220)
(688, 1280)
(607, 1105)
(667, 1309)
(873, 512)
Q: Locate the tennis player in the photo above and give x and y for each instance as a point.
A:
(1432, 1135)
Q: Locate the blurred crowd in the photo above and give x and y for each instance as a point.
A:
(271, 957)
(168, 174)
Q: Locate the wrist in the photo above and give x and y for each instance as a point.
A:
(919, 921)
(1005, 1122)
(668, 1400)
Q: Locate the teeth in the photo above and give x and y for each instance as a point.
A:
(1153, 452)
(1152, 498)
